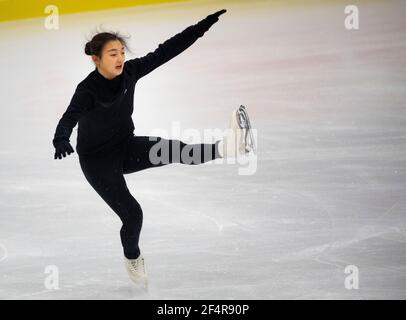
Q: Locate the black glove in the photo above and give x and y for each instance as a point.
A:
(207, 22)
(215, 16)
(61, 148)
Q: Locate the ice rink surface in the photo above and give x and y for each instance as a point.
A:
(330, 183)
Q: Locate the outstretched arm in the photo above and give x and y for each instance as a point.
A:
(172, 47)
(70, 118)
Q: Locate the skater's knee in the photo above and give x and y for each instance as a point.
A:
(128, 209)
(177, 151)
(167, 151)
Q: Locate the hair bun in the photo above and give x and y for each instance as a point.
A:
(88, 48)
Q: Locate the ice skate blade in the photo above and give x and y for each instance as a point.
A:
(137, 290)
(140, 283)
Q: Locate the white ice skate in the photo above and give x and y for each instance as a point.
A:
(136, 270)
(239, 139)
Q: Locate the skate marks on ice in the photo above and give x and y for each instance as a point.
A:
(74, 285)
(328, 191)
(3, 252)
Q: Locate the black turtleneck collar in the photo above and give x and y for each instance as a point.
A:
(106, 82)
(106, 86)
(107, 89)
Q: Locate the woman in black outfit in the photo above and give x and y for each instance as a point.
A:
(102, 106)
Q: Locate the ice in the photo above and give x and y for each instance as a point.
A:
(329, 190)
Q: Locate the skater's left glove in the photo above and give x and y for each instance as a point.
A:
(62, 147)
(215, 16)
(207, 22)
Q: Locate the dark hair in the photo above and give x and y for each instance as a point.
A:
(96, 44)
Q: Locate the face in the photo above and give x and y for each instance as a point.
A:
(111, 63)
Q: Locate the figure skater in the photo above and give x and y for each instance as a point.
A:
(102, 106)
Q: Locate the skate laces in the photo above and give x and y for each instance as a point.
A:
(244, 141)
(245, 125)
(137, 264)
(242, 122)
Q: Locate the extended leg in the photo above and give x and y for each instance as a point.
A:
(144, 152)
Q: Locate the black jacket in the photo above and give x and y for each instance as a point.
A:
(104, 107)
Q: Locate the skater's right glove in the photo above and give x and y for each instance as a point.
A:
(62, 147)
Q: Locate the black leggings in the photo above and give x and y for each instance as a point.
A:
(105, 175)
